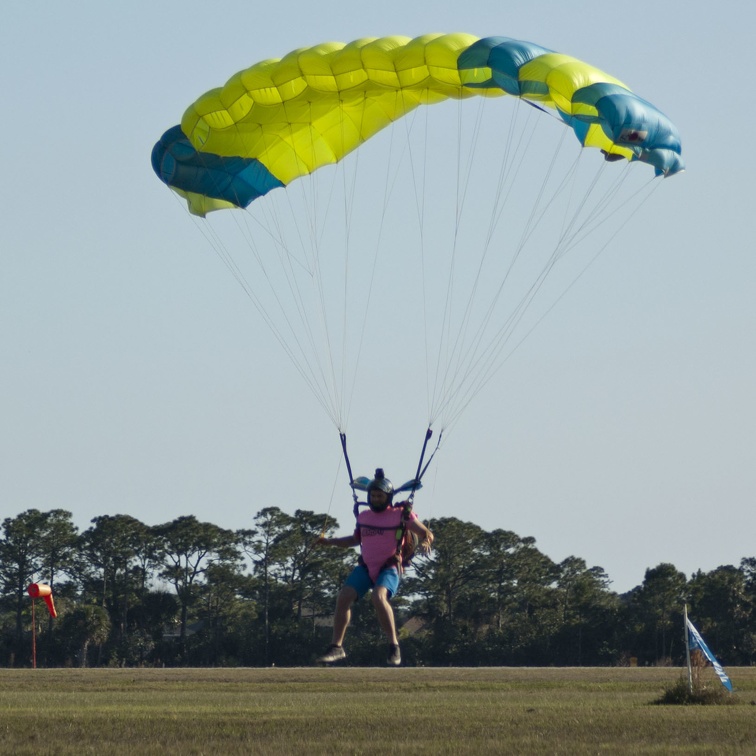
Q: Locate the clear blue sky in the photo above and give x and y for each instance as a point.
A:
(137, 379)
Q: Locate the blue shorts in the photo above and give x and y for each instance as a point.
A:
(360, 580)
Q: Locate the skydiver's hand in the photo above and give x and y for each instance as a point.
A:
(426, 545)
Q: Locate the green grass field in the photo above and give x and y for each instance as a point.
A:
(365, 710)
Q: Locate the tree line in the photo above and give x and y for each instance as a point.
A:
(191, 593)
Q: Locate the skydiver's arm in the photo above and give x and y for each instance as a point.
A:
(423, 533)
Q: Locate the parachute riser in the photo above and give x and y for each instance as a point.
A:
(412, 485)
(342, 436)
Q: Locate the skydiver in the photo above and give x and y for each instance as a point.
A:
(380, 564)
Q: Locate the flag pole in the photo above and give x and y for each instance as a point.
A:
(687, 652)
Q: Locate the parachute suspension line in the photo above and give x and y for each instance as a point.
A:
(420, 199)
(348, 392)
(318, 362)
(486, 355)
(330, 501)
(562, 246)
(318, 286)
(423, 260)
(349, 190)
(516, 148)
(573, 224)
(418, 166)
(442, 354)
(468, 163)
(319, 289)
(455, 352)
(388, 186)
(603, 211)
(510, 167)
(373, 267)
(423, 276)
(508, 177)
(419, 176)
(481, 360)
(338, 374)
(495, 361)
(456, 362)
(540, 207)
(591, 260)
(309, 357)
(462, 177)
(513, 156)
(302, 363)
(419, 173)
(489, 352)
(589, 263)
(305, 360)
(224, 255)
(445, 351)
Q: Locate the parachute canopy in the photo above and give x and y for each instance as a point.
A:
(282, 119)
(427, 244)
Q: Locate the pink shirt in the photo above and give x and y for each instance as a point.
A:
(377, 532)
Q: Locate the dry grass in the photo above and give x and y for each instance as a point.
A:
(364, 711)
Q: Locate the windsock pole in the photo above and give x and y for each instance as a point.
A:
(34, 636)
(44, 591)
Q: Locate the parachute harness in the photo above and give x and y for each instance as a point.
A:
(405, 548)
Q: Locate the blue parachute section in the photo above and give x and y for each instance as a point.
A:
(627, 120)
(235, 180)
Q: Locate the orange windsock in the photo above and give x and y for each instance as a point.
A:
(43, 591)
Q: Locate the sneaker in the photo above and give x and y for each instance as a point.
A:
(394, 657)
(334, 654)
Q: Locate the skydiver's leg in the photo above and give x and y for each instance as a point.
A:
(343, 614)
(385, 612)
